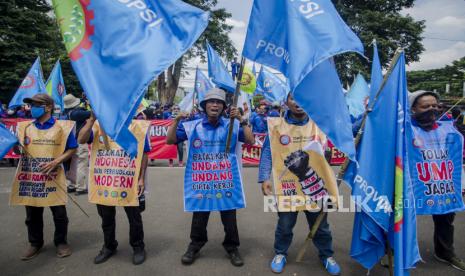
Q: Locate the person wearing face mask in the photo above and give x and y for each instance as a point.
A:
(212, 179)
(432, 136)
(40, 180)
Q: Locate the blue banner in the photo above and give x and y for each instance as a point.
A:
(32, 84)
(117, 48)
(271, 87)
(357, 97)
(202, 84)
(436, 166)
(7, 140)
(212, 180)
(218, 71)
(309, 34)
(187, 103)
(56, 86)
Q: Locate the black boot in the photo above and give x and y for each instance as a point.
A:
(189, 257)
(104, 255)
(139, 256)
(236, 259)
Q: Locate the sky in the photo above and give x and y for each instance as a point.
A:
(444, 35)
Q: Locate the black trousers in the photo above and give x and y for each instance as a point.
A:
(444, 235)
(180, 151)
(199, 230)
(35, 225)
(136, 228)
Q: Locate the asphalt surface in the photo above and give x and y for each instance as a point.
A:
(167, 236)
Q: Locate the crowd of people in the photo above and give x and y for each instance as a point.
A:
(286, 129)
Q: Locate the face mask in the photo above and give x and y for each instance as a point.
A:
(427, 119)
(37, 111)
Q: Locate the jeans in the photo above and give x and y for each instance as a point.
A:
(444, 235)
(283, 235)
(199, 230)
(136, 229)
(35, 225)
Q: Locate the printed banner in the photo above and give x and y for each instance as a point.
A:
(301, 176)
(251, 153)
(113, 174)
(157, 135)
(212, 180)
(11, 124)
(30, 186)
(436, 166)
(337, 157)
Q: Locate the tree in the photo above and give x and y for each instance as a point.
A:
(28, 31)
(437, 79)
(380, 20)
(217, 35)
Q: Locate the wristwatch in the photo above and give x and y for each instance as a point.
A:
(244, 122)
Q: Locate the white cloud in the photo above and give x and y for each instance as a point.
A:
(235, 23)
(450, 22)
(438, 59)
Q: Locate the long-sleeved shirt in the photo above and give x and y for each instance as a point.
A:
(265, 167)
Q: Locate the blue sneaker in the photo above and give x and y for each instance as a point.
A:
(331, 266)
(278, 263)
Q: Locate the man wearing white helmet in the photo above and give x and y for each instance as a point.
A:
(212, 180)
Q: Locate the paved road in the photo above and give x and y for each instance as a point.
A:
(166, 236)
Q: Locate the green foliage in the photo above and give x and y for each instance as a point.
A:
(436, 79)
(380, 20)
(28, 31)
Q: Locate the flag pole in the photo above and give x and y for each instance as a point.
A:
(236, 98)
(310, 235)
(358, 138)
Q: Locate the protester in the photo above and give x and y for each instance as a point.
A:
(207, 137)
(289, 132)
(425, 112)
(180, 146)
(78, 172)
(49, 149)
(131, 198)
(275, 110)
(235, 68)
(258, 121)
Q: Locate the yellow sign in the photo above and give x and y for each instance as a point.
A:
(30, 186)
(113, 175)
(303, 179)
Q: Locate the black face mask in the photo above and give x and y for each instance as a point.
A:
(427, 118)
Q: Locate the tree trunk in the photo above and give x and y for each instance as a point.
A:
(168, 82)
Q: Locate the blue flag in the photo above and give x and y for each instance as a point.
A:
(403, 229)
(32, 84)
(309, 34)
(373, 181)
(202, 84)
(118, 48)
(7, 140)
(357, 97)
(218, 71)
(271, 87)
(56, 86)
(376, 73)
(187, 103)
